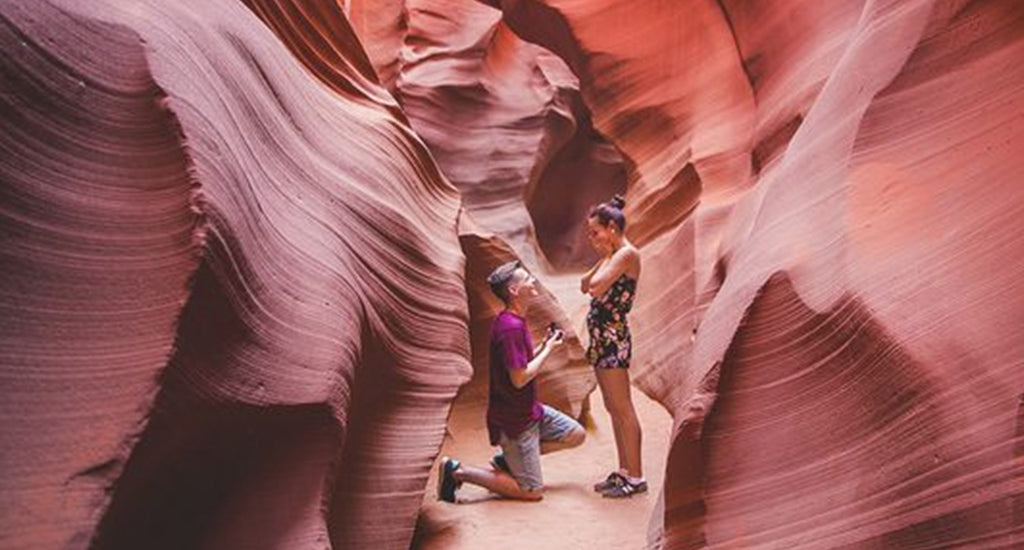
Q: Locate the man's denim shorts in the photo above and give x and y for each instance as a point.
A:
(522, 452)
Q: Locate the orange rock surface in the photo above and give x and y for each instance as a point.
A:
(854, 377)
(244, 246)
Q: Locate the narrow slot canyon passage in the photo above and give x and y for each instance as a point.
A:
(245, 247)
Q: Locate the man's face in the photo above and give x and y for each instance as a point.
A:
(523, 284)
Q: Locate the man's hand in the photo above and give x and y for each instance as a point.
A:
(552, 341)
(555, 339)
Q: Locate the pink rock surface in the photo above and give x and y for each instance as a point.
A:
(382, 26)
(855, 375)
(319, 35)
(681, 111)
(234, 307)
(505, 121)
(506, 124)
(239, 295)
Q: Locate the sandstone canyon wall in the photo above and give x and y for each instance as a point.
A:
(240, 296)
(505, 120)
(855, 372)
(234, 314)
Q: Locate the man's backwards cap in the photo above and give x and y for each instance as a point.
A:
(500, 277)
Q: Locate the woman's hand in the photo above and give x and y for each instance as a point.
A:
(585, 280)
(617, 265)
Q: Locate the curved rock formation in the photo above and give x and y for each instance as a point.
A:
(319, 36)
(235, 313)
(854, 374)
(566, 380)
(504, 119)
(666, 88)
(237, 288)
(382, 25)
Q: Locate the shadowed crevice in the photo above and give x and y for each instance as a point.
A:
(208, 472)
(670, 205)
(774, 144)
(744, 62)
(536, 22)
(585, 172)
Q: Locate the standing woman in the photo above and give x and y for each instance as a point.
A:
(611, 284)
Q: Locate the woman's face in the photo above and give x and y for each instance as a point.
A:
(601, 237)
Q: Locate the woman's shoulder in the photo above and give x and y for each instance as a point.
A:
(631, 261)
(630, 254)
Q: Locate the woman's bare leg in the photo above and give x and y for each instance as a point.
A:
(618, 401)
(602, 381)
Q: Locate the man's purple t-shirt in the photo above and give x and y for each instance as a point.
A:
(510, 410)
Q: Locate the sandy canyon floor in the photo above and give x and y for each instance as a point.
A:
(571, 515)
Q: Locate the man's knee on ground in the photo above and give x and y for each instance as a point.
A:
(532, 496)
(523, 493)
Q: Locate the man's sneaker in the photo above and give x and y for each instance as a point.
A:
(609, 482)
(499, 463)
(446, 482)
(623, 488)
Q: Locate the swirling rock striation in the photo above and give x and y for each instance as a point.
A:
(851, 375)
(234, 306)
(505, 121)
(235, 309)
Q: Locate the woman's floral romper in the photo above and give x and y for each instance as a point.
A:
(610, 343)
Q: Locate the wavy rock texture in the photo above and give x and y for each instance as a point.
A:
(681, 111)
(234, 313)
(855, 374)
(319, 35)
(493, 110)
(506, 123)
(382, 25)
(504, 119)
(567, 380)
(236, 303)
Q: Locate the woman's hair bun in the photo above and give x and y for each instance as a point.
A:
(618, 202)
